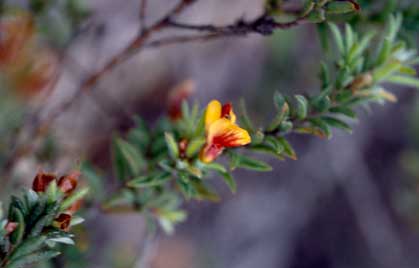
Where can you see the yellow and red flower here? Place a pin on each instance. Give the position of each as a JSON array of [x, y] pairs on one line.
[[221, 131]]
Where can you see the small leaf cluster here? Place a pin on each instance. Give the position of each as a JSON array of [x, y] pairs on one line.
[[36, 222], [315, 11], [160, 167]]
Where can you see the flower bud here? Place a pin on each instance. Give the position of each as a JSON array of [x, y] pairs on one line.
[[63, 222], [68, 183], [41, 181]]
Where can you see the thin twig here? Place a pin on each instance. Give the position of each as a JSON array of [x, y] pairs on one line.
[[181, 39]]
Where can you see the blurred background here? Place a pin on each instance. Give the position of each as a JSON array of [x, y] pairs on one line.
[[352, 201]]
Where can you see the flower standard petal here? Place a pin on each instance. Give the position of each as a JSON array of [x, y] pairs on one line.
[[213, 113]]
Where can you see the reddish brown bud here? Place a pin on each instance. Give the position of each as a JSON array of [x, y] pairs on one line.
[[10, 227], [180, 93], [68, 183], [63, 221], [41, 181]]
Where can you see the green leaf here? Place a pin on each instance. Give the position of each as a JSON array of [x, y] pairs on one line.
[[324, 75], [341, 7], [17, 235], [213, 166], [62, 240], [194, 146], [302, 107], [28, 246], [286, 127], [33, 258], [386, 70], [229, 180], [334, 122], [52, 192], [404, 80], [172, 145], [384, 52], [156, 179], [130, 156], [167, 219], [76, 196], [359, 47], [279, 101], [318, 123], [51, 211], [203, 192], [76, 220], [241, 161], [338, 37], [344, 111], [288, 150], [279, 118], [317, 16]]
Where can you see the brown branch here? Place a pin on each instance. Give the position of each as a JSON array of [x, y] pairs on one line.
[[182, 39], [264, 25]]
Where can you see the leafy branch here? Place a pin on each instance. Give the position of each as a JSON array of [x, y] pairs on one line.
[[160, 166], [39, 220]]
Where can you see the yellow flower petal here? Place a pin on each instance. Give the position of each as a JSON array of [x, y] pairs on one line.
[[224, 133], [213, 113]]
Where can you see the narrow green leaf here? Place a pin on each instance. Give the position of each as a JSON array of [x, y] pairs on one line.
[[51, 211], [318, 123], [359, 47], [76, 196], [288, 150], [404, 80], [344, 111], [341, 7], [62, 240], [241, 161], [28, 246], [302, 107], [172, 145], [338, 37], [17, 235], [131, 155], [33, 258], [156, 179], [229, 180], [194, 146], [52, 192], [334, 122]]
